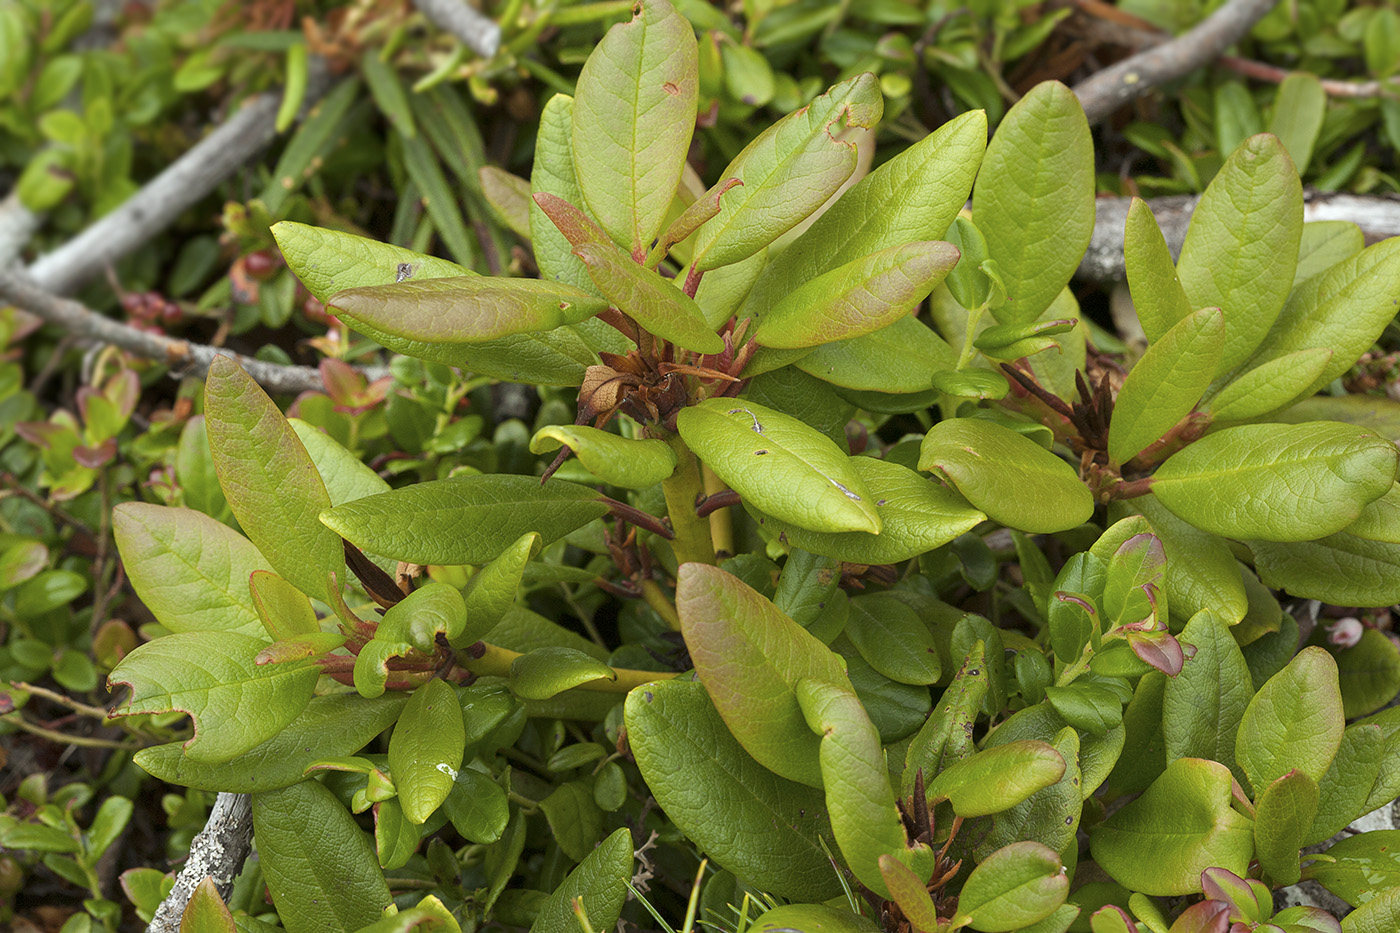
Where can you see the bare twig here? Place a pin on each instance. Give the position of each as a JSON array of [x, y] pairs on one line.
[[153, 208], [478, 33], [1378, 216], [1263, 71], [217, 852], [187, 359], [17, 224], [1104, 92]]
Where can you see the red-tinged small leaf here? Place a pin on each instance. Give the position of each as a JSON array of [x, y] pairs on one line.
[[1225, 886], [1111, 919], [1159, 649], [909, 893], [653, 302], [1205, 917], [704, 207], [578, 228], [206, 911], [467, 309]]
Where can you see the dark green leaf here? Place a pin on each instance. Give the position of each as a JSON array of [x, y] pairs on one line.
[[769, 830], [320, 868], [464, 520]]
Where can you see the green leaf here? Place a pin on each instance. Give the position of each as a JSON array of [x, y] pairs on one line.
[[1242, 245], [657, 305], [634, 113], [1299, 107], [320, 868], [893, 639], [477, 807], [750, 657], [997, 778], [1013, 480], [1133, 586], [206, 911], [1158, 298], [1341, 569], [1326, 243], [1161, 842], [509, 196], [617, 461], [859, 798], [207, 674], [1343, 790], [1369, 672], [574, 819], [1087, 706], [946, 735], [811, 918], [345, 476], [1380, 914], [1049, 816], [779, 465], [1284, 811], [788, 172], [426, 749], [328, 262], [1344, 310], [903, 357], [395, 838], [544, 672], [1166, 383], [858, 298], [914, 196], [1269, 386], [465, 309], [1015, 886], [330, 727], [190, 571], [463, 520], [599, 882], [490, 594], [269, 479], [285, 611], [431, 610], [1203, 705], [916, 515], [769, 831], [553, 174], [1365, 866], [1244, 482], [194, 472], [1294, 722], [1034, 199]]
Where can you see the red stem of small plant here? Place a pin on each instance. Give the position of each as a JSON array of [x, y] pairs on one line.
[[692, 281]]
